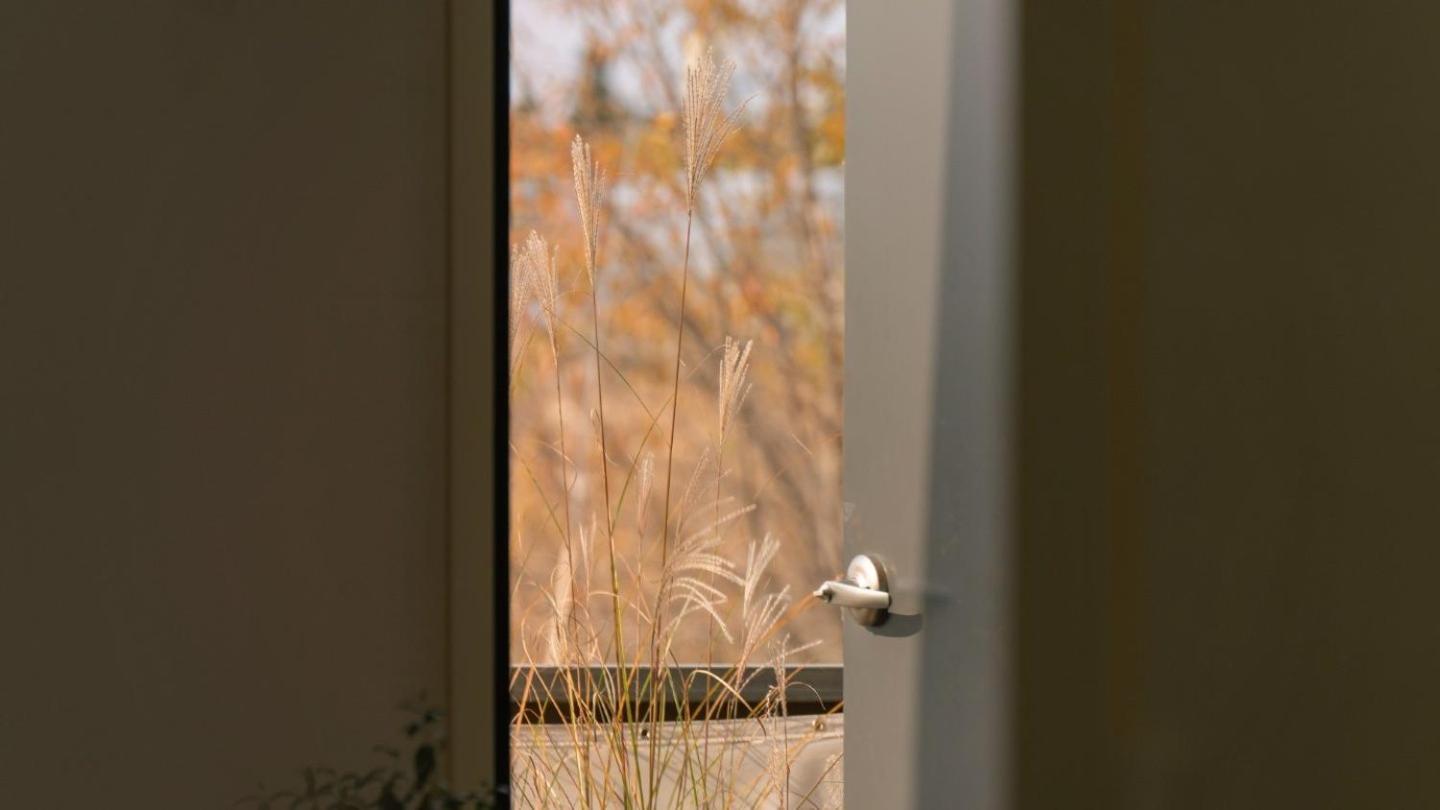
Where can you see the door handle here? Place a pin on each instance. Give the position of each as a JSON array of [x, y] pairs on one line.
[[840, 593], [864, 590]]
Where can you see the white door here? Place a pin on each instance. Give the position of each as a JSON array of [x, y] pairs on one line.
[[927, 348]]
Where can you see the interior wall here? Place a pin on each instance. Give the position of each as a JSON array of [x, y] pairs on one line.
[[1290, 432], [222, 392], [1229, 438]]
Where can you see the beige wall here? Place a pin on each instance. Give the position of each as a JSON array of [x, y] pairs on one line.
[[222, 391]]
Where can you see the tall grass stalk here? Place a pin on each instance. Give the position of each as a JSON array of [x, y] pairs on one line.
[[707, 126], [589, 199], [537, 263]]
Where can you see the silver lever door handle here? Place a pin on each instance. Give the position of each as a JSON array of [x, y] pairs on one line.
[[864, 590], [840, 593]]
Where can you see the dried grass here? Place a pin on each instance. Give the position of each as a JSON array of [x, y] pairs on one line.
[[610, 749]]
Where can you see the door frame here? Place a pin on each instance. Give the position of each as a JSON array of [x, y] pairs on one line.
[[478, 419]]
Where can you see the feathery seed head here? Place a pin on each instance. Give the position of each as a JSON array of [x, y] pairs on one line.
[[707, 124], [562, 605], [734, 383], [520, 325], [536, 262], [519, 294], [647, 482], [589, 196]]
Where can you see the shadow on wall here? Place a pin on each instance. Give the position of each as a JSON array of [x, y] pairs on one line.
[[407, 778]]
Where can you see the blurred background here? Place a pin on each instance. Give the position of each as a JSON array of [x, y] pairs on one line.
[[766, 266]]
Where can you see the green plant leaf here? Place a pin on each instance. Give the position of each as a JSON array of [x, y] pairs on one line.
[[424, 765]]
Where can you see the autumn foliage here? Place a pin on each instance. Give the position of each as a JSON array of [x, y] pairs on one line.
[[753, 458]]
